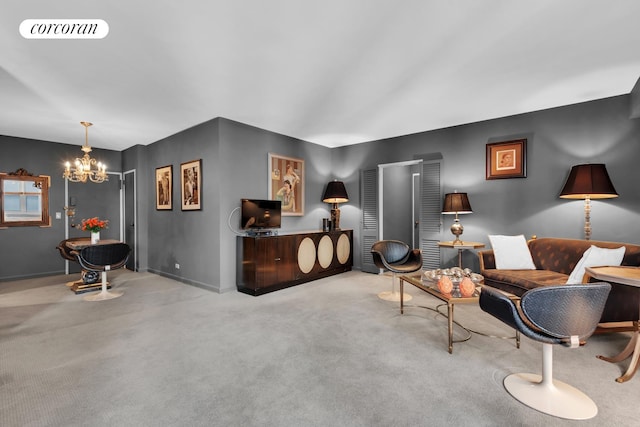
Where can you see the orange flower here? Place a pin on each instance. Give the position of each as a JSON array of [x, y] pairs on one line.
[[94, 224]]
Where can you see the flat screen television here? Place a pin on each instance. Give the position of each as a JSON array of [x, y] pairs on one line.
[[260, 214]]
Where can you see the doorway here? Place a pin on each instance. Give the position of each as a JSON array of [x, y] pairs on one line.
[[90, 200], [421, 220], [397, 201]]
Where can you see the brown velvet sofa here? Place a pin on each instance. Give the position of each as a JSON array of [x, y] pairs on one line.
[[555, 259]]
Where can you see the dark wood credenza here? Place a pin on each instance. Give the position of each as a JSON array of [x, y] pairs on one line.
[[269, 263]]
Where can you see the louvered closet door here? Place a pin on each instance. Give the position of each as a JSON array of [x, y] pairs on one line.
[[430, 211], [369, 224]]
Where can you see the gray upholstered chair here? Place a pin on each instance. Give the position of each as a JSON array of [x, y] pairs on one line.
[[103, 258], [397, 257], [562, 314]]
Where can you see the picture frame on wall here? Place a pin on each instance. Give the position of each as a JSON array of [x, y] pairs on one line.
[[286, 183], [164, 188], [507, 159], [191, 185]]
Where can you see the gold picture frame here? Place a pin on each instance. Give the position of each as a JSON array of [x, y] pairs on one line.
[[164, 188], [507, 159], [286, 183], [191, 185]]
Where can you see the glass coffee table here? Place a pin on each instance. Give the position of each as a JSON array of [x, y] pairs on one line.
[[419, 281]]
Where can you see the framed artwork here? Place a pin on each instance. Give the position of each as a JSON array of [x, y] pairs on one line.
[[191, 185], [507, 159], [164, 188], [286, 183]]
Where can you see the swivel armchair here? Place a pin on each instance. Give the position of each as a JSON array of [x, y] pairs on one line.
[[562, 314], [397, 257], [65, 251], [87, 277], [103, 258]]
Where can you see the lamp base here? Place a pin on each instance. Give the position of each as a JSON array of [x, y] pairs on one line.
[[456, 230], [335, 217]]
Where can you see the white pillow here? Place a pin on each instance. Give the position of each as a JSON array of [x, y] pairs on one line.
[[512, 253], [596, 257]]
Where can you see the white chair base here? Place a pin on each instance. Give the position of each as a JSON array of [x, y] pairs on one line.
[[103, 294], [558, 399], [393, 295], [543, 393]]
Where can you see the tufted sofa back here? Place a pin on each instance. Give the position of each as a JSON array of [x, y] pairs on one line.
[[562, 255]]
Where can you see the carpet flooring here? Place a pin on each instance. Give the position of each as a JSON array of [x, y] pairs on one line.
[[325, 353]]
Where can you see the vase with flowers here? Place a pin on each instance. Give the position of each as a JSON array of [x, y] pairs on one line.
[[94, 225]]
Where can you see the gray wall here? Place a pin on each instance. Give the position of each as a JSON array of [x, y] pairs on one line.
[[30, 251], [244, 173], [234, 166], [234, 159], [598, 132], [187, 238]]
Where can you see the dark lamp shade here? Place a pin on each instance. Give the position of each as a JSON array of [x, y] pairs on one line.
[[590, 180], [335, 193], [456, 203]]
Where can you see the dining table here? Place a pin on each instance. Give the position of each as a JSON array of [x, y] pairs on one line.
[[89, 281]]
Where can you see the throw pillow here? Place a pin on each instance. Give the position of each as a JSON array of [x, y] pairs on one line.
[[596, 257], [511, 252]]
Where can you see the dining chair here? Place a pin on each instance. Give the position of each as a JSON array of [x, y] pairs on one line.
[[102, 258]]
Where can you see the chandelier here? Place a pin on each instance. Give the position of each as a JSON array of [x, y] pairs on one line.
[[85, 168]]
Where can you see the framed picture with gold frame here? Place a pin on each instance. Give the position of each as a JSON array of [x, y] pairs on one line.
[[286, 183], [164, 188], [191, 185], [507, 159]]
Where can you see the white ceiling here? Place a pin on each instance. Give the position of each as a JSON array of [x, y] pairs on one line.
[[332, 72]]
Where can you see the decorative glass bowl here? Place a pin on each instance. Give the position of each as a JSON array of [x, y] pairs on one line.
[[455, 275]]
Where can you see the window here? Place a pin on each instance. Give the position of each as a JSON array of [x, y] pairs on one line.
[[24, 200]]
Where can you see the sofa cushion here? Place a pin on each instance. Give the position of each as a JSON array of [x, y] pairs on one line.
[[511, 252], [596, 257], [518, 282]]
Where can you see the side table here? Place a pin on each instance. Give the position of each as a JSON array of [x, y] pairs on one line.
[[629, 276], [461, 246]]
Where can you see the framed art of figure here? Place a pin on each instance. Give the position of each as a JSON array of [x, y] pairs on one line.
[[286, 183], [507, 159], [191, 185], [164, 188]]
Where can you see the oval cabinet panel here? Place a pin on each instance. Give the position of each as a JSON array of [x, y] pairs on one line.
[[325, 252], [343, 249], [306, 255]]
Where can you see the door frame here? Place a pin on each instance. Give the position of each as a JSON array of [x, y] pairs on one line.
[[66, 217], [135, 214]]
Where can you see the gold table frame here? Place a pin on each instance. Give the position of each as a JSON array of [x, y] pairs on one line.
[[417, 281]]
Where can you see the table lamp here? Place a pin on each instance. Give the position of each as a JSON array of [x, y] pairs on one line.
[[589, 181], [456, 203], [335, 193]]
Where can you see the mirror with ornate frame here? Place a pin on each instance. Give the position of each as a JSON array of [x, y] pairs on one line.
[[24, 199]]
